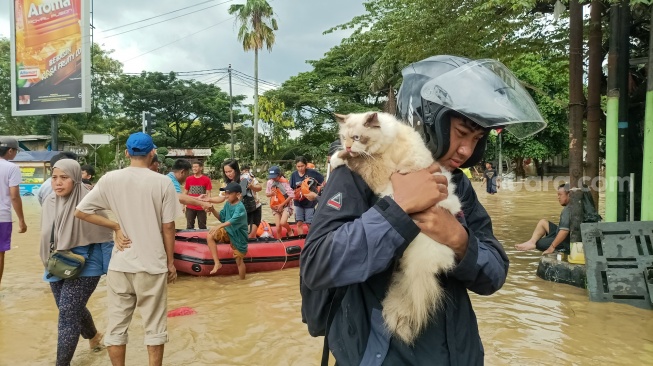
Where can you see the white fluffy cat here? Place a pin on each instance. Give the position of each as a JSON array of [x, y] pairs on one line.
[[375, 145]]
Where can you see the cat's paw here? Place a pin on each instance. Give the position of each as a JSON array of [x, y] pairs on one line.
[[398, 322], [336, 160]]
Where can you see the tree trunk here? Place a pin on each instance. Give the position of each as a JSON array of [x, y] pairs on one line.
[[519, 168], [391, 104], [538, 168], [575, 117], [595, 73], [255, 105]]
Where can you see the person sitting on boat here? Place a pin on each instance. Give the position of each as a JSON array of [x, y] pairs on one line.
[[547, 236], [231, 230], [281, 195]]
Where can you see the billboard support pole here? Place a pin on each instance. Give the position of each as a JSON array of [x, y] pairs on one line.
[[231, 113], [54, 127]]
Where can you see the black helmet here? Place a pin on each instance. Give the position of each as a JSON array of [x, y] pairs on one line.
[[484, 91]]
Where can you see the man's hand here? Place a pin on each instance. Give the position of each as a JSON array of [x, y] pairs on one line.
[[549, 250], [418, 191], [172, 273], [443, 227], [203, 197], [121, 242], [22, 226], [207, 206]]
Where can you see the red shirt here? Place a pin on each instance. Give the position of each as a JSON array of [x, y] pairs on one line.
[[197, 186]]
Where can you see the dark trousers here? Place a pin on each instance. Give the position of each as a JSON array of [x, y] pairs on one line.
[[190, 218], [71, 297]]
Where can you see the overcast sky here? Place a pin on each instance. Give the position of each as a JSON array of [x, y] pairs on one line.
[[299, 38]]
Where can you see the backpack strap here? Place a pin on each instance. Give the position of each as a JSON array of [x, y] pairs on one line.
[[243, 186], [333, 309], [280, 187], [52, 239]]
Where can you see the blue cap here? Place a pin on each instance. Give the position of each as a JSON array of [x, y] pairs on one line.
[[274, 172], [140, 144]]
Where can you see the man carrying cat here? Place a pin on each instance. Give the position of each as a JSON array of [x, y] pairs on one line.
[[358, 238]]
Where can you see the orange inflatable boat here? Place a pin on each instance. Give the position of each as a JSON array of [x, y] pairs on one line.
[[192, 254]]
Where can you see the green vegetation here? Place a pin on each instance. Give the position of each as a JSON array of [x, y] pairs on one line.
[[361, 73]]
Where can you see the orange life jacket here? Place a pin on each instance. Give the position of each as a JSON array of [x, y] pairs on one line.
[[261, 228], [308, 185], [279, 192]]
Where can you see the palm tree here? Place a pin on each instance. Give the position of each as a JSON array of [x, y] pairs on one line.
[[257, 27]]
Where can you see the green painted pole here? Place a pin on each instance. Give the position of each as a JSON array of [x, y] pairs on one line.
[[647, 168], [611, 157]]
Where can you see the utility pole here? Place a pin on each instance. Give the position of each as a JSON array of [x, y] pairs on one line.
[[623, 65], [500, 162], [231, 113], [576, 110], [143, 123], [612, 121], [594, 112], [54, 127]]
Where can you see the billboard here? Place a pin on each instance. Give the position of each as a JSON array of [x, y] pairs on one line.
[[50, 57]]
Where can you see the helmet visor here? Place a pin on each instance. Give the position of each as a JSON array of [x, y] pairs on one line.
[[486, 92]]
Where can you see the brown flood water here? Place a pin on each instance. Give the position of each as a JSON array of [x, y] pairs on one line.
[[257, 321]]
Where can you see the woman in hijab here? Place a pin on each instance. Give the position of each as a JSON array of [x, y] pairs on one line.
[[92, 242]]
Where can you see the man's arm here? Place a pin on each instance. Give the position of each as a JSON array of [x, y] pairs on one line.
[[560, 237], [185, 199], [45, 190], [484, 267], [168, 231], [121, 240], [350, 240], [17, 203]]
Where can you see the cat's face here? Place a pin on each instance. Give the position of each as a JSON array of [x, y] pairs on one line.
[[360, 134]]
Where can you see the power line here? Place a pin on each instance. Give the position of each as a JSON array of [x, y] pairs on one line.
[[168, 44], [259, 80], [157, 16], [165, 20]]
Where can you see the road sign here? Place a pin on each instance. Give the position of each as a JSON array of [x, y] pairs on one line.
[[79, 150], [97, 139]]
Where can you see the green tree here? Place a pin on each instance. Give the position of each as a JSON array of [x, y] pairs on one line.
[[187, 113], [547, 82], [257, 27], [276, 123]]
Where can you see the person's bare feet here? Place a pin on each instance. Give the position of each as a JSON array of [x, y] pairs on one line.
[[528, 245], [216, 267], [95, 343]]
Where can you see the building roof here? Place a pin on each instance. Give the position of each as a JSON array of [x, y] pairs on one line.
[[32, 137], [35, 156]]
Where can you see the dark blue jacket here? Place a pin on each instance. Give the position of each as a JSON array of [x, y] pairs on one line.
[[355, 242]]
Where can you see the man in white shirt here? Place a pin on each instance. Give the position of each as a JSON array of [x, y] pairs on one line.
[[9, 196], [144, 204]]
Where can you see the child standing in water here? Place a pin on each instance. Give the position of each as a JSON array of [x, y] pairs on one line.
[[232, 229], [281, 195]]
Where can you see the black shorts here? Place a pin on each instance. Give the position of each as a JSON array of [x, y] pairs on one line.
[[545, 242], [255, 216]]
